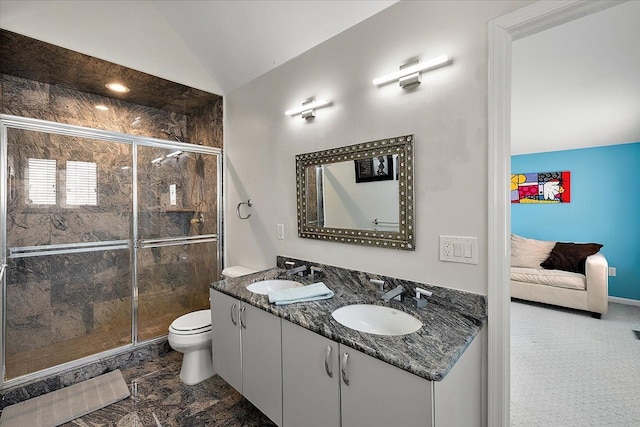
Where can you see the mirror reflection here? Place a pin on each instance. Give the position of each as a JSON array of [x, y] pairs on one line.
[[358, 194], [345, 196]]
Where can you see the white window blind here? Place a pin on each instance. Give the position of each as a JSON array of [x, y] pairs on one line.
[[82, 183], [42, 181]]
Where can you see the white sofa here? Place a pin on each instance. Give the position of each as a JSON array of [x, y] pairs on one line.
[[588, 291]]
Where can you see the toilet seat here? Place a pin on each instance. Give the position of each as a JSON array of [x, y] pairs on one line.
[[198, 322]]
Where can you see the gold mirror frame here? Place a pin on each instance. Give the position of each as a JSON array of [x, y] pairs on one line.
[[404, 238]]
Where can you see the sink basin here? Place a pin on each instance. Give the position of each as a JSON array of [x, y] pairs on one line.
[[376, 319], [265, 286]]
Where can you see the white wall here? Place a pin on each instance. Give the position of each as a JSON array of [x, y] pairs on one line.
[[447, 113]]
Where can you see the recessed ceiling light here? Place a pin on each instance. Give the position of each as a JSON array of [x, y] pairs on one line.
[[102, 107], [117, 87]]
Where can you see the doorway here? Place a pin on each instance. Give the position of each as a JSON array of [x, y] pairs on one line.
[[502, 31]]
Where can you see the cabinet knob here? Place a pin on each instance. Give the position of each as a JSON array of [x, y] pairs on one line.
[[345, 359], [327, 361]]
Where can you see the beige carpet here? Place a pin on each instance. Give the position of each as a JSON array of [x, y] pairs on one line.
[[571, 370], [58, 407]]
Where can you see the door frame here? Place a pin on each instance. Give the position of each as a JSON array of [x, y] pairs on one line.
[[502, 32]]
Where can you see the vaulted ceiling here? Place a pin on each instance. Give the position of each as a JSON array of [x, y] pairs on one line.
[[223, 44], [576, 85]]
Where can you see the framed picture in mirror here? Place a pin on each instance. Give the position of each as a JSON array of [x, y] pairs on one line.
[[379, 168]]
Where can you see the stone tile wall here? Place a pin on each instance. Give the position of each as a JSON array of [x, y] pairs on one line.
[[55, 298]]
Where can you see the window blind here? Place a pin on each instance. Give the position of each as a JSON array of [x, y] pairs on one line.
[[42, 181], [82, 183]]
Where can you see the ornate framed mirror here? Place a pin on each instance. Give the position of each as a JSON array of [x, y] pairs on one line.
[[361, 194]]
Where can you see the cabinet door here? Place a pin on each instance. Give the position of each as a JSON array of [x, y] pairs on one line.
[[262, 361], [375, 393], [310, 379], [226, 348]]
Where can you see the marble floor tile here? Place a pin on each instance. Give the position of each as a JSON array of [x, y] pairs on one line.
[[160, 399]]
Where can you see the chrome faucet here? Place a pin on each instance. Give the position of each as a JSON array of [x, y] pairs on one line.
[[394, 293], [297, 270]]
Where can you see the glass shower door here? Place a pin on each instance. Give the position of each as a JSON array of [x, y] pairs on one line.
[[68, 232], [177, 222]]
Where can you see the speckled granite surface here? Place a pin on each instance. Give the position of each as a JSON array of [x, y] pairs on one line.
[[159, 398], [451, 319]]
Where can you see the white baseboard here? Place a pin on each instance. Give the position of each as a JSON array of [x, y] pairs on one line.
[[626, 301]]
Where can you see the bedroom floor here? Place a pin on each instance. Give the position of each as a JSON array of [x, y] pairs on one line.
[[569, 369]]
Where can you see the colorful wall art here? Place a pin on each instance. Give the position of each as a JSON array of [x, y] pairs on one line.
[[541, 187]]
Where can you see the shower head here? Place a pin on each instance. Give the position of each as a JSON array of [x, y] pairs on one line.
[[168, 132]]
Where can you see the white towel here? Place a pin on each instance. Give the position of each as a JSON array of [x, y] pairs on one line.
[[317, 291]]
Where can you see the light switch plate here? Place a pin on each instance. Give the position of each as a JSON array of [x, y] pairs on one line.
[[280, 231], [459, 249]]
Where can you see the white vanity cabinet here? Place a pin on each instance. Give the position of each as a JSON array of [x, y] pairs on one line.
[[227, 347], [247, 352], [326, 384], [310, 378], [374, 393]]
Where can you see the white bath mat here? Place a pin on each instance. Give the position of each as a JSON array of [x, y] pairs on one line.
[[66, 404]]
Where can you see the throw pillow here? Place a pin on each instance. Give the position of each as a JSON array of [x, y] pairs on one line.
[[529, 253], [570, 256]]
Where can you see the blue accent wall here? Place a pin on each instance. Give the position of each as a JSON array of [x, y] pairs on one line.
[[604, 207]]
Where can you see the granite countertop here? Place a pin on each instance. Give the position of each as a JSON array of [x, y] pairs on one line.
[[451, 319]]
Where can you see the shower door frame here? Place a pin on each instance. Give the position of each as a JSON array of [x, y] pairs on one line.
[[134, 243]]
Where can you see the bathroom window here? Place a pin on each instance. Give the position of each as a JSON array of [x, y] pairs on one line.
[[82, 183], [41, 182]]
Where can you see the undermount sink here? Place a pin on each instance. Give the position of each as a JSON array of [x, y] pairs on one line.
[[376, 319], [265, 286]]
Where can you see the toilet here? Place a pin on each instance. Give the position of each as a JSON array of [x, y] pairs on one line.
[[190, 334]]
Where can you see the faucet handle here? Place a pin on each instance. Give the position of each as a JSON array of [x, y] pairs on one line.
[[379, 283], [421, 302], [289, 264], [313, 272]]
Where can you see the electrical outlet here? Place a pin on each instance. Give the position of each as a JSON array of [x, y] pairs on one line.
[[280, 231], [459, 249], [446, 247], [612, 271]]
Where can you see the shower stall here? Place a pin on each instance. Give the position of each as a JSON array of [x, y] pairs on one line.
[[106, 238]]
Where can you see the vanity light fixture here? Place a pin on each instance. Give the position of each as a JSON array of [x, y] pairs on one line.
[[409, 73], [157, 160], [117, 87], [102, 107], [307, 111]]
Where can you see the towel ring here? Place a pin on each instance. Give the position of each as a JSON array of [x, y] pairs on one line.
[[249, 204]]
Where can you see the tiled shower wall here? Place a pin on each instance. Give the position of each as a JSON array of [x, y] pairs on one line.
[[56, 298]]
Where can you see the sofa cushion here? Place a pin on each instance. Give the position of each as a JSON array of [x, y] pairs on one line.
[[529, 253], [557, 278], [570, 256]]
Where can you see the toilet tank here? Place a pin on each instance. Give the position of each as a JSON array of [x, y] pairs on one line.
[[236, 271]]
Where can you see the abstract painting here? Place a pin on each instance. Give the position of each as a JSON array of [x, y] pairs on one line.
[[541, 187]]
